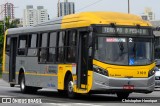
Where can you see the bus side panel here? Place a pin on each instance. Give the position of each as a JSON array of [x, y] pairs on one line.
[[38, 75], [41, 80]]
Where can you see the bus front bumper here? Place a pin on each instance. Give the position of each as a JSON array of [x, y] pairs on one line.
[[104, 83]]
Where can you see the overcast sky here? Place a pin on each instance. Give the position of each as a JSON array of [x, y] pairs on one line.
[[136, 6]]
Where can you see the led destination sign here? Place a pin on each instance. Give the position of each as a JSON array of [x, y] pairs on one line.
[[111, 30]]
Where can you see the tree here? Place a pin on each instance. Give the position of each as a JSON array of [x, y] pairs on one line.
[[8, 24]]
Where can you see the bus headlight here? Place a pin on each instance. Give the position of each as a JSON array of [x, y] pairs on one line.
[[100, 70], [151, 72]]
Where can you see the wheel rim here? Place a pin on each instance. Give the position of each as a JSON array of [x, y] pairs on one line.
[[70, 86], [22, 84]]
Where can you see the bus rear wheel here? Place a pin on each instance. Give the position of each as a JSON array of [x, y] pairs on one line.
[[122, 95], [24, 88]]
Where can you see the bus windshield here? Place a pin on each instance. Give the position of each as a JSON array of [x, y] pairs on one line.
[[124, 51]]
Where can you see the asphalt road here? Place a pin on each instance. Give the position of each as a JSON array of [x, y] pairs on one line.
[[52, 98]]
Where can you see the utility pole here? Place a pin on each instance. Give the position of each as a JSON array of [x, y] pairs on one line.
[[58, 8], [128, 7]]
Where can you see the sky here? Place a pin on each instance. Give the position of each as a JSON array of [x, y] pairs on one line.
[[136, 6]]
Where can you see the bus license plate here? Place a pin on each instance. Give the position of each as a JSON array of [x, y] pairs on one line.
[[129, 87]]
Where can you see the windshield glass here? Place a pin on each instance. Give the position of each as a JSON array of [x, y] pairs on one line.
[[140, 51], [124, 51]]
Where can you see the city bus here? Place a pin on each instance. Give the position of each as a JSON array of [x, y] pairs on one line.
[[83, 53]]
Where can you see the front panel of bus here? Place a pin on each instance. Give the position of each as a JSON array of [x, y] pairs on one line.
[[123, 59]]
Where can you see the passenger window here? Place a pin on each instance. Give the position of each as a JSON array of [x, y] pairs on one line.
[[32, 41], [71, 46], [60, 49], [22, 45], [32, 45], [43, 48], [44, 37], [7, 44], [52, 47]]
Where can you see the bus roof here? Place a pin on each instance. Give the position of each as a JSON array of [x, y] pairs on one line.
[[88, 18], [83, 19]]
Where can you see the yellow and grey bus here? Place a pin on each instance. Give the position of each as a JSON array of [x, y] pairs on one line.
[[88, 52]]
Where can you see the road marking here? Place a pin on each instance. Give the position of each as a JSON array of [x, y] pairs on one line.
[[85, 104], [4, 86], [6, 96], [72, 104], [57, 104]]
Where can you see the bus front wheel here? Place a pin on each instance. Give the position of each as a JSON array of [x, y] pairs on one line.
[[71, 93]]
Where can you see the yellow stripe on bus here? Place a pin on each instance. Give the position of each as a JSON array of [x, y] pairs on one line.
[[36, 74], [4, 52]]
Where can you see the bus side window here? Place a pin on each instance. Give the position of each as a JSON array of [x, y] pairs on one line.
[[71, 46], [52, 47], [32, 45], [8, 45], [60, 48], [43, 47], [22, 45]]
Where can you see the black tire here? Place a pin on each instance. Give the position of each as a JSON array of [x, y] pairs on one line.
[[12, 85], [122, 95], [24, 88], [70, 92]]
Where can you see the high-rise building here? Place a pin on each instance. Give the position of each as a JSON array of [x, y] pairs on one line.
[[148, 14], [29, 16], [33, 16], [7, 10], [42, 14], [65, 8]]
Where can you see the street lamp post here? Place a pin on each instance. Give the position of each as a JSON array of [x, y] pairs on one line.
[[128, 7]]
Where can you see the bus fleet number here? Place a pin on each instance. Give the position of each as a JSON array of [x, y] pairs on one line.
[[141, 72]]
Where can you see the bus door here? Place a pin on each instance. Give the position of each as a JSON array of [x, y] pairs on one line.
[[12, 60], [82, 60]]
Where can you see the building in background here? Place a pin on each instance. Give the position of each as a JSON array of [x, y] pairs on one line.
[[65, 8], [7, 10], [42, 14], [29, 16], [148, 14], [33, 16]]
